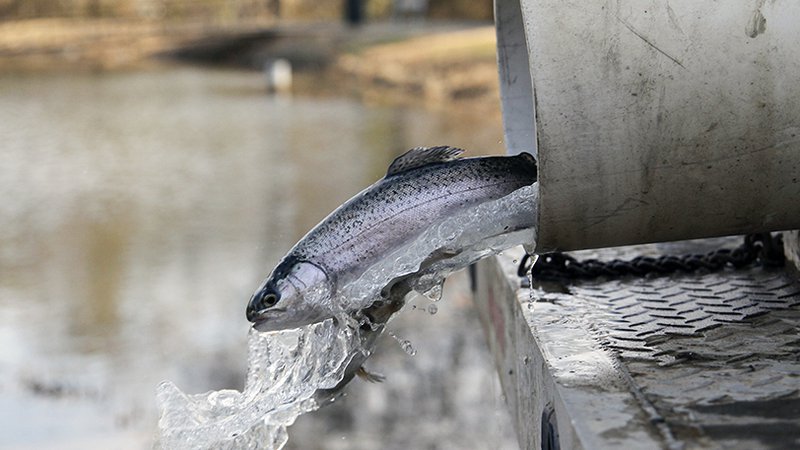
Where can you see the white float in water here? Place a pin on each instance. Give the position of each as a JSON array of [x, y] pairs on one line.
[[278, 73]]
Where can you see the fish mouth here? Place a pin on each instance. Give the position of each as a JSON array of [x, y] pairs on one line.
[[277, 319], [263, 325], [265, 320]]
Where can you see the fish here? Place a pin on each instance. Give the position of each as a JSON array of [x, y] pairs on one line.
[[421, 188]]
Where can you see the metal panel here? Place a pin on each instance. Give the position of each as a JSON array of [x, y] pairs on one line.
[[685, 361], [657, 120], [556, 377], [791, 247]]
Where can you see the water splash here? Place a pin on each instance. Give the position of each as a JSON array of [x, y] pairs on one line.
[[435, 292], [286, 369], [405, 344], [453, 244], [289, 370], [408, 347]]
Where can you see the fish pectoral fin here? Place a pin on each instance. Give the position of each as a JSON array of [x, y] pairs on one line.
[[422, 156], [371, 377]]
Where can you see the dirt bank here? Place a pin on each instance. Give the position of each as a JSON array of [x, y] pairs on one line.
[[37, 45], [439, 69], [439, 65]]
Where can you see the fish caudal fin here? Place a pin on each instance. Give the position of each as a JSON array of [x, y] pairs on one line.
[[372, 377], [529, 159]]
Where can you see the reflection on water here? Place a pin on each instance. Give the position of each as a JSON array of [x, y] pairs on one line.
[[140, 211]]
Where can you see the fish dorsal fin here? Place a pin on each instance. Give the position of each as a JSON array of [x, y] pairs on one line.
[[422, 156]]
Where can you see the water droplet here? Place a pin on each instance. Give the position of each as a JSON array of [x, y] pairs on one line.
[[433, 309], [407, 347], [434, 293], [405, 344]]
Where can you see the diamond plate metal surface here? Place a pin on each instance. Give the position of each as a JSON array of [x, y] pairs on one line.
[[717, 355]]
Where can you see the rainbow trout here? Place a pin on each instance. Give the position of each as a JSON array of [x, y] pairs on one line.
[[422, 188]]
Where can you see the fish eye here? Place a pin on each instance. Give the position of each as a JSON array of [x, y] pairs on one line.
[[270, 300]]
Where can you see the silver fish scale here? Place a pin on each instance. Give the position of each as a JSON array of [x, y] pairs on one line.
[[401, 206]]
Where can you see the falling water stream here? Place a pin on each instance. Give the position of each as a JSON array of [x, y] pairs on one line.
[[287, 368]]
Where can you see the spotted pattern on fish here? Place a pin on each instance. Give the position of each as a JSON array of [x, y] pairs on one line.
[[401, 206]]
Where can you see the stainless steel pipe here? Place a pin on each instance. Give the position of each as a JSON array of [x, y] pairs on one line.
[[654, 120]]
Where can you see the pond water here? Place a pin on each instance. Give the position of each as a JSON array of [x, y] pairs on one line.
[[140, 210]]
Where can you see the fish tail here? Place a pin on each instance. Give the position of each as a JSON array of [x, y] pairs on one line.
[[529, 160]]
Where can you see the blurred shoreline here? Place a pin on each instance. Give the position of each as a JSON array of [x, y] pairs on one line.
[[437, 64]]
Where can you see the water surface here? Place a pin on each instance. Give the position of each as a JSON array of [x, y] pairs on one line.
[[140, 210]]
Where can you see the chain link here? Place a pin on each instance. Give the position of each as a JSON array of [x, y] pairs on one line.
[[761, 247]]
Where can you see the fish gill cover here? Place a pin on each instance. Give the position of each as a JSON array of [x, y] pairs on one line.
[[287, 368]]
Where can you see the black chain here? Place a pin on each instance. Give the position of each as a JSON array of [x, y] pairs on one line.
[[761, 247]]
